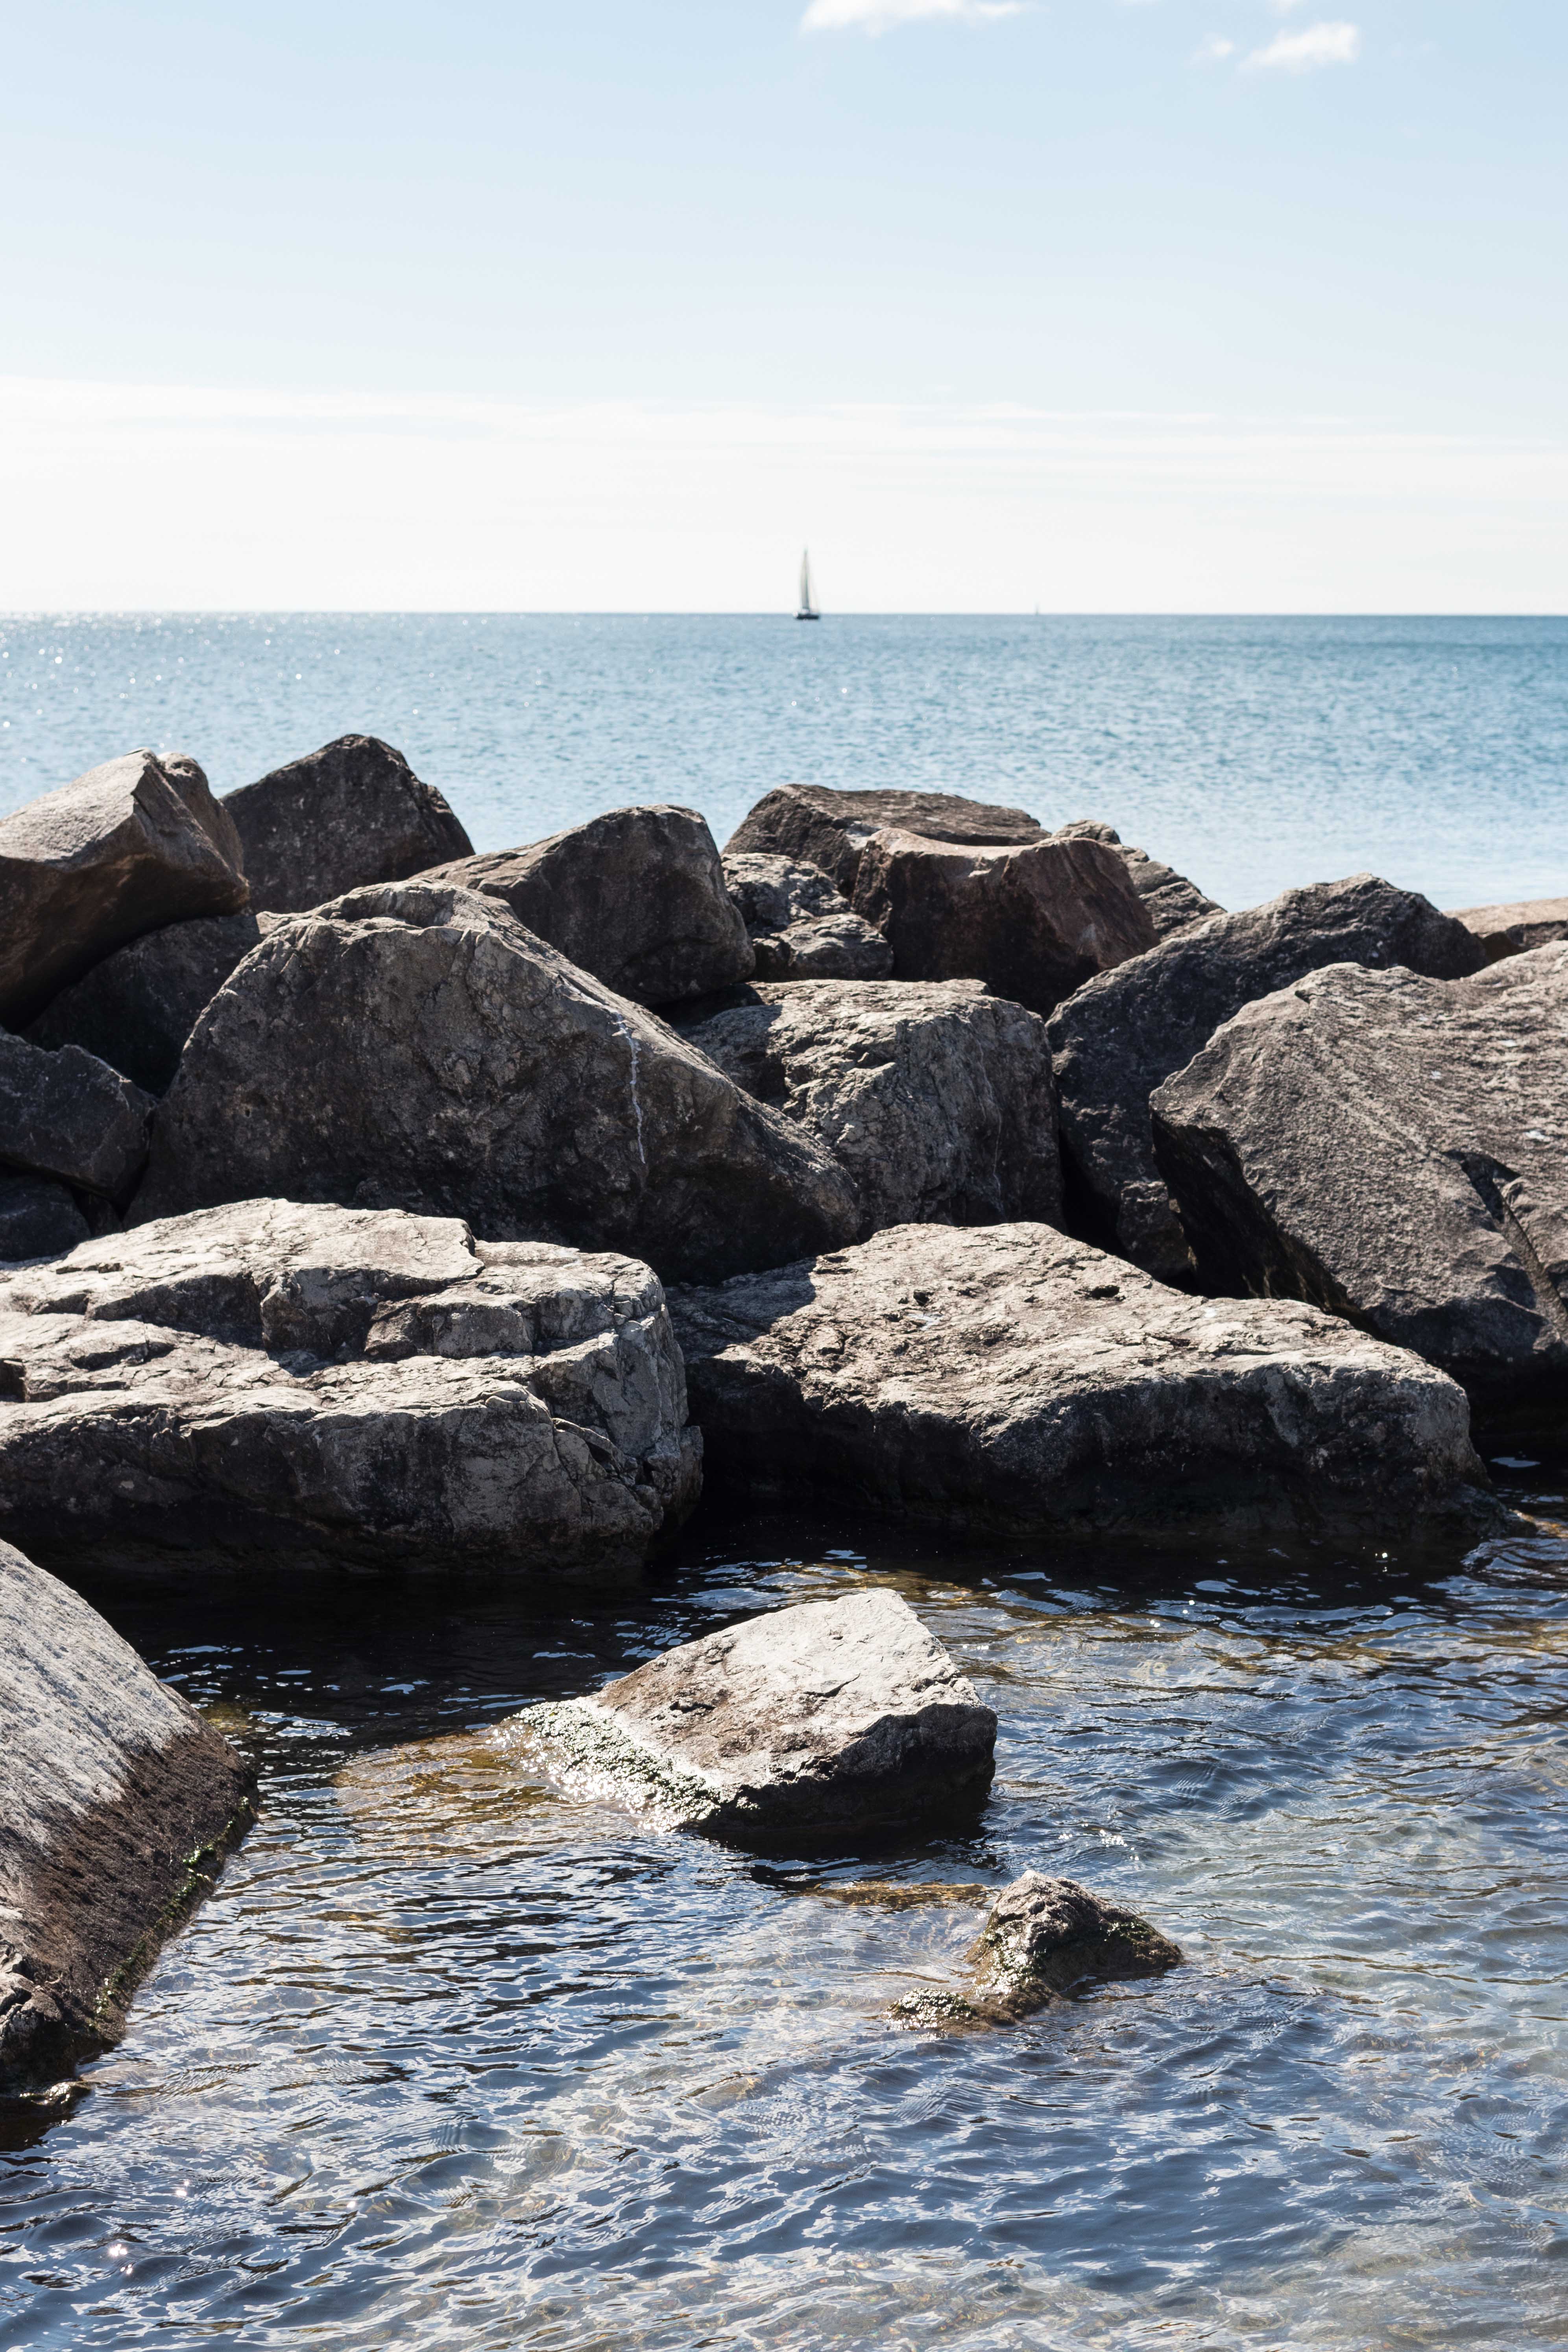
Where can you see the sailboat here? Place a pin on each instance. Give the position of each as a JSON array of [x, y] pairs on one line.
[[808, 611]]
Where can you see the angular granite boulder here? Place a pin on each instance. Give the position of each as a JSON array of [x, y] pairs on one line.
[[832, 1715], [1123, 1034], [800, 924], [1395, 1149], [415, 1046], [1515, 930], [37, 1218], [822, 827], [117, 1804], [1043, 1939], [309, 1383], [352, 814], [136, 842], [1033, 922], [636, 897], [69, 1115], [136, 1009], [1172, 900], [935, 1098], [1014, 1384]]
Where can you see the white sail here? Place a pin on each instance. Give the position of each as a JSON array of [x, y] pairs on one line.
[[808, 609]]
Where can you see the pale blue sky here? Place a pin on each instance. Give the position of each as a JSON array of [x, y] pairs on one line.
[[1271, 300]]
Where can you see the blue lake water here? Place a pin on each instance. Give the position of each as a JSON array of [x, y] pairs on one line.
[[1252, 753]]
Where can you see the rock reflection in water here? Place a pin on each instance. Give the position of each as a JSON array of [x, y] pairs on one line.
[[448, 2060]]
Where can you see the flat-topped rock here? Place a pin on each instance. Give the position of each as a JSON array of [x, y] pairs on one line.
[[1393, 1146], [136, 1009], [935, 1098], [800, 924], [1011, 1383], [133, 843], [829, 829], [352, 814], [68, 1116], [832, 1715], [1173, 902], [415, 1046], [1123, 1034], [1514, 929], [117, 1804], [1033, 922], [307, 1383], [636, 897], [1045, 1939]]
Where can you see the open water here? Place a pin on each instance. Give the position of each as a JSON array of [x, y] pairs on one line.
[[1252, 753]]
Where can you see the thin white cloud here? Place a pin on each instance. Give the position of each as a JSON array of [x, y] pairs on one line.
[[1303, 52], [881, 16], [1214, 51]]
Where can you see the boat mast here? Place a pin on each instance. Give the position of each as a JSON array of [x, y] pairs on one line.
[[807, 611]]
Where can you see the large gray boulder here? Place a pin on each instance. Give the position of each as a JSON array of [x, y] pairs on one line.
[[1015, 1384], [636, 897], [1173, 902], [833, 1716], [117, 1804], [1514, 929], [37, 1218], [277, 1380], [136, 1009], [1033, 922], [353, 812], [826, 828], [136, 842], [415, 1046], [935, 1098], [68, 1116], [800, 924], [1043, 1939], [1393, 1146], [1123, 1034]]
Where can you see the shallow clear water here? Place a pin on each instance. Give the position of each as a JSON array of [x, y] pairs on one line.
[[1252, 754], [451, 2062]]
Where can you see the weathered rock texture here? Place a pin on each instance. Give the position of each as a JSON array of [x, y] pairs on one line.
[[1125, 1034], [415, 1046], [800, 923], [318, 1383], [353, 812], [136, 842], [833, 1716], [1172, 900], [69, 1115], [935, 1098], [1033, 923], [136, 1009], [1392, 1147], [1515, 930], [637, 898], [830, 829], [117, 1803], [37, 1218], [1010, 1382], [1043, 1939]]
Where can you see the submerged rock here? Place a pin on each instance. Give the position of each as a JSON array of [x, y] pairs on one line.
[[636, 897], [1515, 930], [1033, 922], [1007, 1381], [350, 815], [136, 1009], [833, 1716], [800, 924], [68, 1116], [117, 1803], [1173, 902], [935, 1098], [1392, 1147], [415, 1046], [316, 1383], [1123, 1034], [1044, 1937], [829, 829], [136, 842]]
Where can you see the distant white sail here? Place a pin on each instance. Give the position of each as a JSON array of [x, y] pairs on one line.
[[807, 611]]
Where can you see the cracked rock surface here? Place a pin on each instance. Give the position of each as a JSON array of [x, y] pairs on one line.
[[353, 812], [272, 1378], [1393, 1147], [935, 1097], [800, 924], [829, 829], [416, 1047], [1123, 1034], [117, 1803], [1008, 1382], [1044, 1937], [833, 1715]]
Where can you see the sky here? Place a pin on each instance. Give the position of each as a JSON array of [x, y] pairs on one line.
[[1093, 305]]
